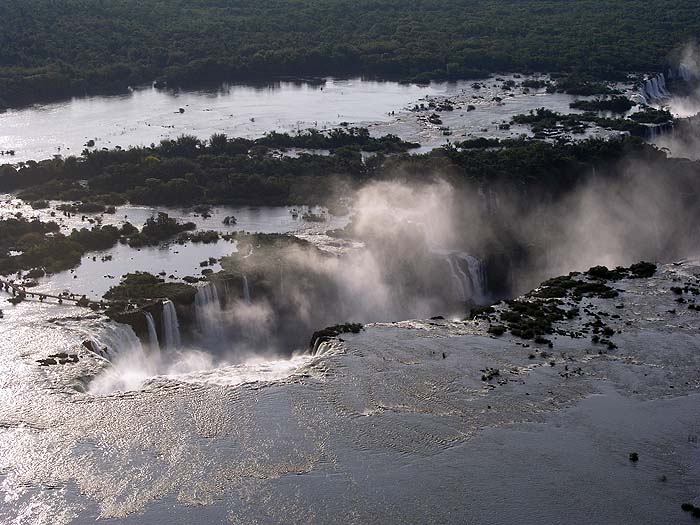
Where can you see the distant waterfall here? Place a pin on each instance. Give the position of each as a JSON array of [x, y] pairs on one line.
[[470, 285], [152, 334], [246, 289], [685, 72], [171, 327], [477, 276], [458, 276], [653, 88], [208, 312], [489, 200], [653, 132]]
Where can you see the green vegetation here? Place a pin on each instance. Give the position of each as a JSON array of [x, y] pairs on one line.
[[187, 171], [158, 229], [330, 332], [140, 286], [652, 116], [529, 319], [39, 205], [543, 121], [636, 271], [58, 48], [333, 139], [497, 329], [483, 143], [98, 205], [40, 247], [533, 83], [204, 237], [615, 104], [578, 84], [565, 286], [535, 315]]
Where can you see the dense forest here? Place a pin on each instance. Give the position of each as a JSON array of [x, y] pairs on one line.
[[223, 170], [56, 48]]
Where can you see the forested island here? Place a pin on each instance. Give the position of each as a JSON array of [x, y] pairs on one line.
[[224, 170], [54, 49]]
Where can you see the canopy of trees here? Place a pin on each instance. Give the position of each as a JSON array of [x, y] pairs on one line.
[[57, 48], [188, 171]]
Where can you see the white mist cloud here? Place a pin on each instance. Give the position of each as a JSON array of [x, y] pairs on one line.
[[414, 235]]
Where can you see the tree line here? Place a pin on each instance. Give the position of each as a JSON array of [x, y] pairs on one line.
[[57, 48]]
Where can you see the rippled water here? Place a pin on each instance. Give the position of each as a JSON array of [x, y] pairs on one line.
[[341, 433]]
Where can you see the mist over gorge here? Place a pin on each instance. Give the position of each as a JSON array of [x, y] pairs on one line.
[[415, 250]]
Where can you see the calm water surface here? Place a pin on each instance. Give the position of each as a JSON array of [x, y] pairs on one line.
[[146, 116]]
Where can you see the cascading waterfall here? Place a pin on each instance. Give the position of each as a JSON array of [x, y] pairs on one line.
[[246, 289], [118, 339], [490, 203], [685, 72], [171, 327], [152, 334], [459, 283], [472, 286], [208, 312], [131, 364], [653, 132], [654, 88], [477, 276]]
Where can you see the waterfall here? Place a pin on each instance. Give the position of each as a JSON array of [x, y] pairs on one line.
[[461, 284], [654, 88], [640, 98], [131, 364], [652, 131], [685, 72], [208, 312], [651, 89], [171, 328], [489, 200], [472, 286], [152, 334], [477, 276], [118, 339], [246, 289]]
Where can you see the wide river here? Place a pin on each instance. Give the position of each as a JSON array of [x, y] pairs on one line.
[[148, 115]]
